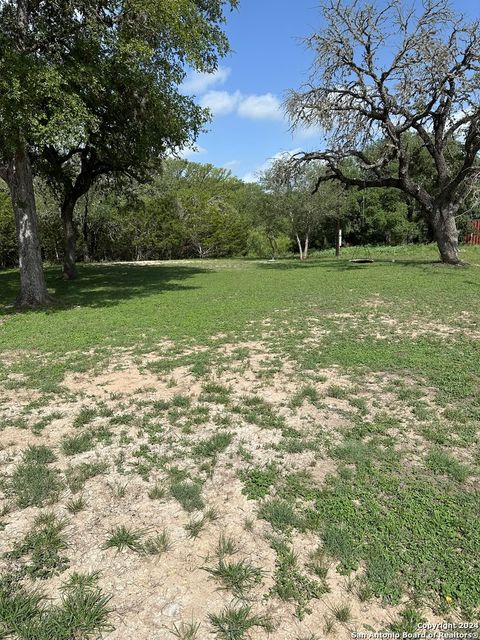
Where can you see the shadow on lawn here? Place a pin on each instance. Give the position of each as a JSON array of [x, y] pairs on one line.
[[102, 285], [344, 264]]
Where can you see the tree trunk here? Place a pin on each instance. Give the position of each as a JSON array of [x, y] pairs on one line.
[[305, 247], [299, 243], [69, 238], [446, 233], [85, 231], [33, 288]]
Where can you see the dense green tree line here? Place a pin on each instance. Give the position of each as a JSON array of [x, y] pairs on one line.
[[193, 210]]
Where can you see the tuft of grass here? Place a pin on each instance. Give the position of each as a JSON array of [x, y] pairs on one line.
[[119, 489], [238, 577], [307, 392], [73, 445], [35, 484], [186, 630], [77, 476], [85, 416], [336, 391], [75, 505], [234, 622], [342, 614], [280, 514], [257, 481], [81, 613], [39, 454], [215, 393], [226, 546], [157, 544], [441, 462], [318, 564], [157, 492], [290, 584], [81, 581], [211, 447], [188, 494], [122, 537], [195, 526], [42, 546]]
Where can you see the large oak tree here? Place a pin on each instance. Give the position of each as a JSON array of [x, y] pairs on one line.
[[382, 72], [78, 81]]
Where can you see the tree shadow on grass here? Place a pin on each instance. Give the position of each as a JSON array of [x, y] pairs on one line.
[[102, 285], [345, 264]]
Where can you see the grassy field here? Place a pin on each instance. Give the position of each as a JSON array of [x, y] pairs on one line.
[[242, 449]]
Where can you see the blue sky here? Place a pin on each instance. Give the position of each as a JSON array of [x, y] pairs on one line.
[[246, 94]]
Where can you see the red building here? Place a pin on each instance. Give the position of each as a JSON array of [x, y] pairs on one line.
[[474, 236]]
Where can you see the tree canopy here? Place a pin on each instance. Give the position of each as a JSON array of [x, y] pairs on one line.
[[383, 72]]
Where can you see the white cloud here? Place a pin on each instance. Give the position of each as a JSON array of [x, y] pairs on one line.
[[253, 176], [198, 83], [308, 133], [221, 103], [254, 107], [232, 164], [196, 150], [264, 107]]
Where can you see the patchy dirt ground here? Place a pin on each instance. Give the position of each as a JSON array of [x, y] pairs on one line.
[[137, 426]]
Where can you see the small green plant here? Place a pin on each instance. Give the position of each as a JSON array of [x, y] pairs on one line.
[[211, 447], [81, 581], [440, 461], [85, 415], [122, 537], [42, 546], [238, 577], [342, 613], [75, 505], [234, 622], [188, 494], [77, 476], [226, 546], [257, 481], [317, 563], [211, 514], [306, 393], [280, 514], [119, 489], [195, 526], [39, 454], [336, 391], [408, 621], [157, 492], [329, 625], [248, 524], [186, 630], [73, 445], [157, 544], [215, 393], [290, 584], [35, 484]]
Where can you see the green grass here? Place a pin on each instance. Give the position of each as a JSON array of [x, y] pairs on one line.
[[401, 503], [291, 584], [237, 576], [35, 484], [234, 622], [72, 445], [38, 554], [123, 537], [440, 461], [188, 494], [82, 612]]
